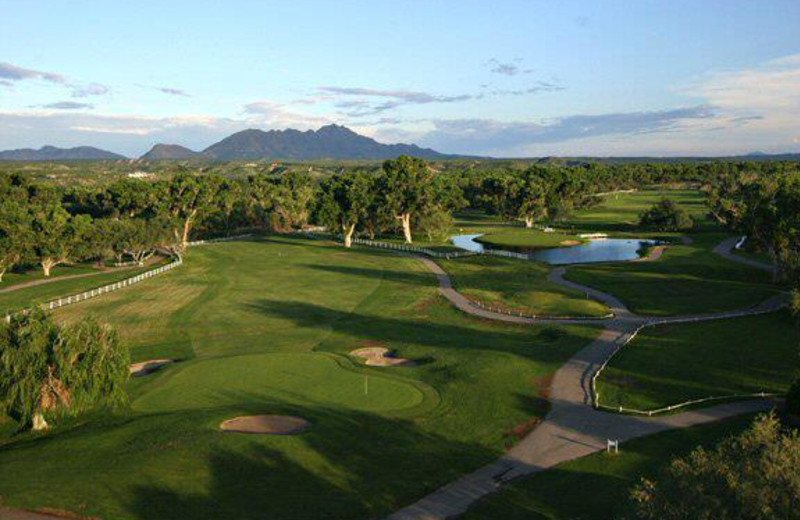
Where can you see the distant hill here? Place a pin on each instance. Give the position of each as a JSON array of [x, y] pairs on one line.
[[329, 142], [170, 151], [52, 153]]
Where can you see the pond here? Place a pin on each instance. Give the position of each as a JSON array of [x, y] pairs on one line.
[[600, 250]]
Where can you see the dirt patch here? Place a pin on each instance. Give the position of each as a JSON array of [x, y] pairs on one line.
[[146, 367], [266, 424], [652, 255], [371, 343], [570, 242], [43, 513], [380, 357], [426, 303]]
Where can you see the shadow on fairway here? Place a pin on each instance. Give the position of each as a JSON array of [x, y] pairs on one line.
[[515, 339], [350, 465]]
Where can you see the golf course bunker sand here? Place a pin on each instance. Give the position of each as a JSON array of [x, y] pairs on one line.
[[266, 424], [380, 357], [570, 242], [146, 367]]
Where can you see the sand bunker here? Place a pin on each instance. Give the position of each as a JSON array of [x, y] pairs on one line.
[[380, 357], [570, 242], [151, 365], [266, 424]]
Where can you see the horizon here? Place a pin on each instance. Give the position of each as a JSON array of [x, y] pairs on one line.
[[519, 80]]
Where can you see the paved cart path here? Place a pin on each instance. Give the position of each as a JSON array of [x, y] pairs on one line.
[[573, 428]]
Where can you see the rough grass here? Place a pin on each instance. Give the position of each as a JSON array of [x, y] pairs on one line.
[[596, 487], [244, 316], [518, 285], [675, 363]]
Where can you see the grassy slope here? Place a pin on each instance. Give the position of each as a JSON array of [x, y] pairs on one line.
[[227, 312], [670, 364], [519, 285], [26, 297], [596, 487]]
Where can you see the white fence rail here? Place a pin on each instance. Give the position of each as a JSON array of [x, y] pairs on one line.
[[628, 337], [93, 293]]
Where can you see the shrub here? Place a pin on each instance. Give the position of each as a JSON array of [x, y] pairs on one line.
[[752, 476], [793, 398], [666, 216], [47, 371]]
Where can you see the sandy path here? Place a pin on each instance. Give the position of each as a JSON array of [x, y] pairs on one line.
[[572, 428]]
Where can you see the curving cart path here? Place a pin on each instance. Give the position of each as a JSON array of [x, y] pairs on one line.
[[573, 428]]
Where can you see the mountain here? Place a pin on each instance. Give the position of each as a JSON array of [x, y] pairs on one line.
[[329, 142], [51, 153], [169, 151]]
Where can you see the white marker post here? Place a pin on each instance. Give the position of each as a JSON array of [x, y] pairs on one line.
[[612, 445]]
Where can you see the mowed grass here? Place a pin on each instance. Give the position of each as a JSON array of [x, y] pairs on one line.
[[687, 279], [529, 239], [674, 363], [266, 327], [518, 285], [300, 379], [620, 212], [596, 487]]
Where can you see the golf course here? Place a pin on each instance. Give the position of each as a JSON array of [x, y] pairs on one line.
[[269, 324]]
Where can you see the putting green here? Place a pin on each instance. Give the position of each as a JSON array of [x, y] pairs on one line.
[[301, 379]]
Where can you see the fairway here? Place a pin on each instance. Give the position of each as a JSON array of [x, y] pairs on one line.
[[266, 327], [519, 285], [298, 379]]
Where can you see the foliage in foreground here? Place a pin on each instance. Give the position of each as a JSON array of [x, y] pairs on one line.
[[752, 476], [47, 371]]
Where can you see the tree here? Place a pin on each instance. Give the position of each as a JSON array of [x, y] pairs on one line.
[[292, 195], [189, 199], [793, 398], [13, 235], [47, 371], [54, 233], [666, 216], [752, 476], [346, 200], [410, 188]]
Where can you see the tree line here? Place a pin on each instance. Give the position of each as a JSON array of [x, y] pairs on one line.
[[48, 226]]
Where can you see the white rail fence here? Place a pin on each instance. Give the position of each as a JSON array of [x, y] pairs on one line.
[[628, 337], [133, 280]]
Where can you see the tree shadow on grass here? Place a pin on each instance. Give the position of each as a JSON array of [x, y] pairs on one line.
[[352, 465], [514, 339]]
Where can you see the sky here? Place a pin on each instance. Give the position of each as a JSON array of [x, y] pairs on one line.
[[501, 78]]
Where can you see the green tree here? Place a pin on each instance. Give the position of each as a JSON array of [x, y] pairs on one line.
[[346, 201], [752, 476], [666, 216], [47, 371], [55, 235], [410, 188], [188, 199]]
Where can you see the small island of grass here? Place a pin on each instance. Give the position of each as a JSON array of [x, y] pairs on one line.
[[527, 239]]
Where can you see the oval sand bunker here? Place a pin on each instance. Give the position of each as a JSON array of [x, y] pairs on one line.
[[380, 357], [146, 367], [266, 424]]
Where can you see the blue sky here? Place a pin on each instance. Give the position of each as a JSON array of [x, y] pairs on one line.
[[504, 78]]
